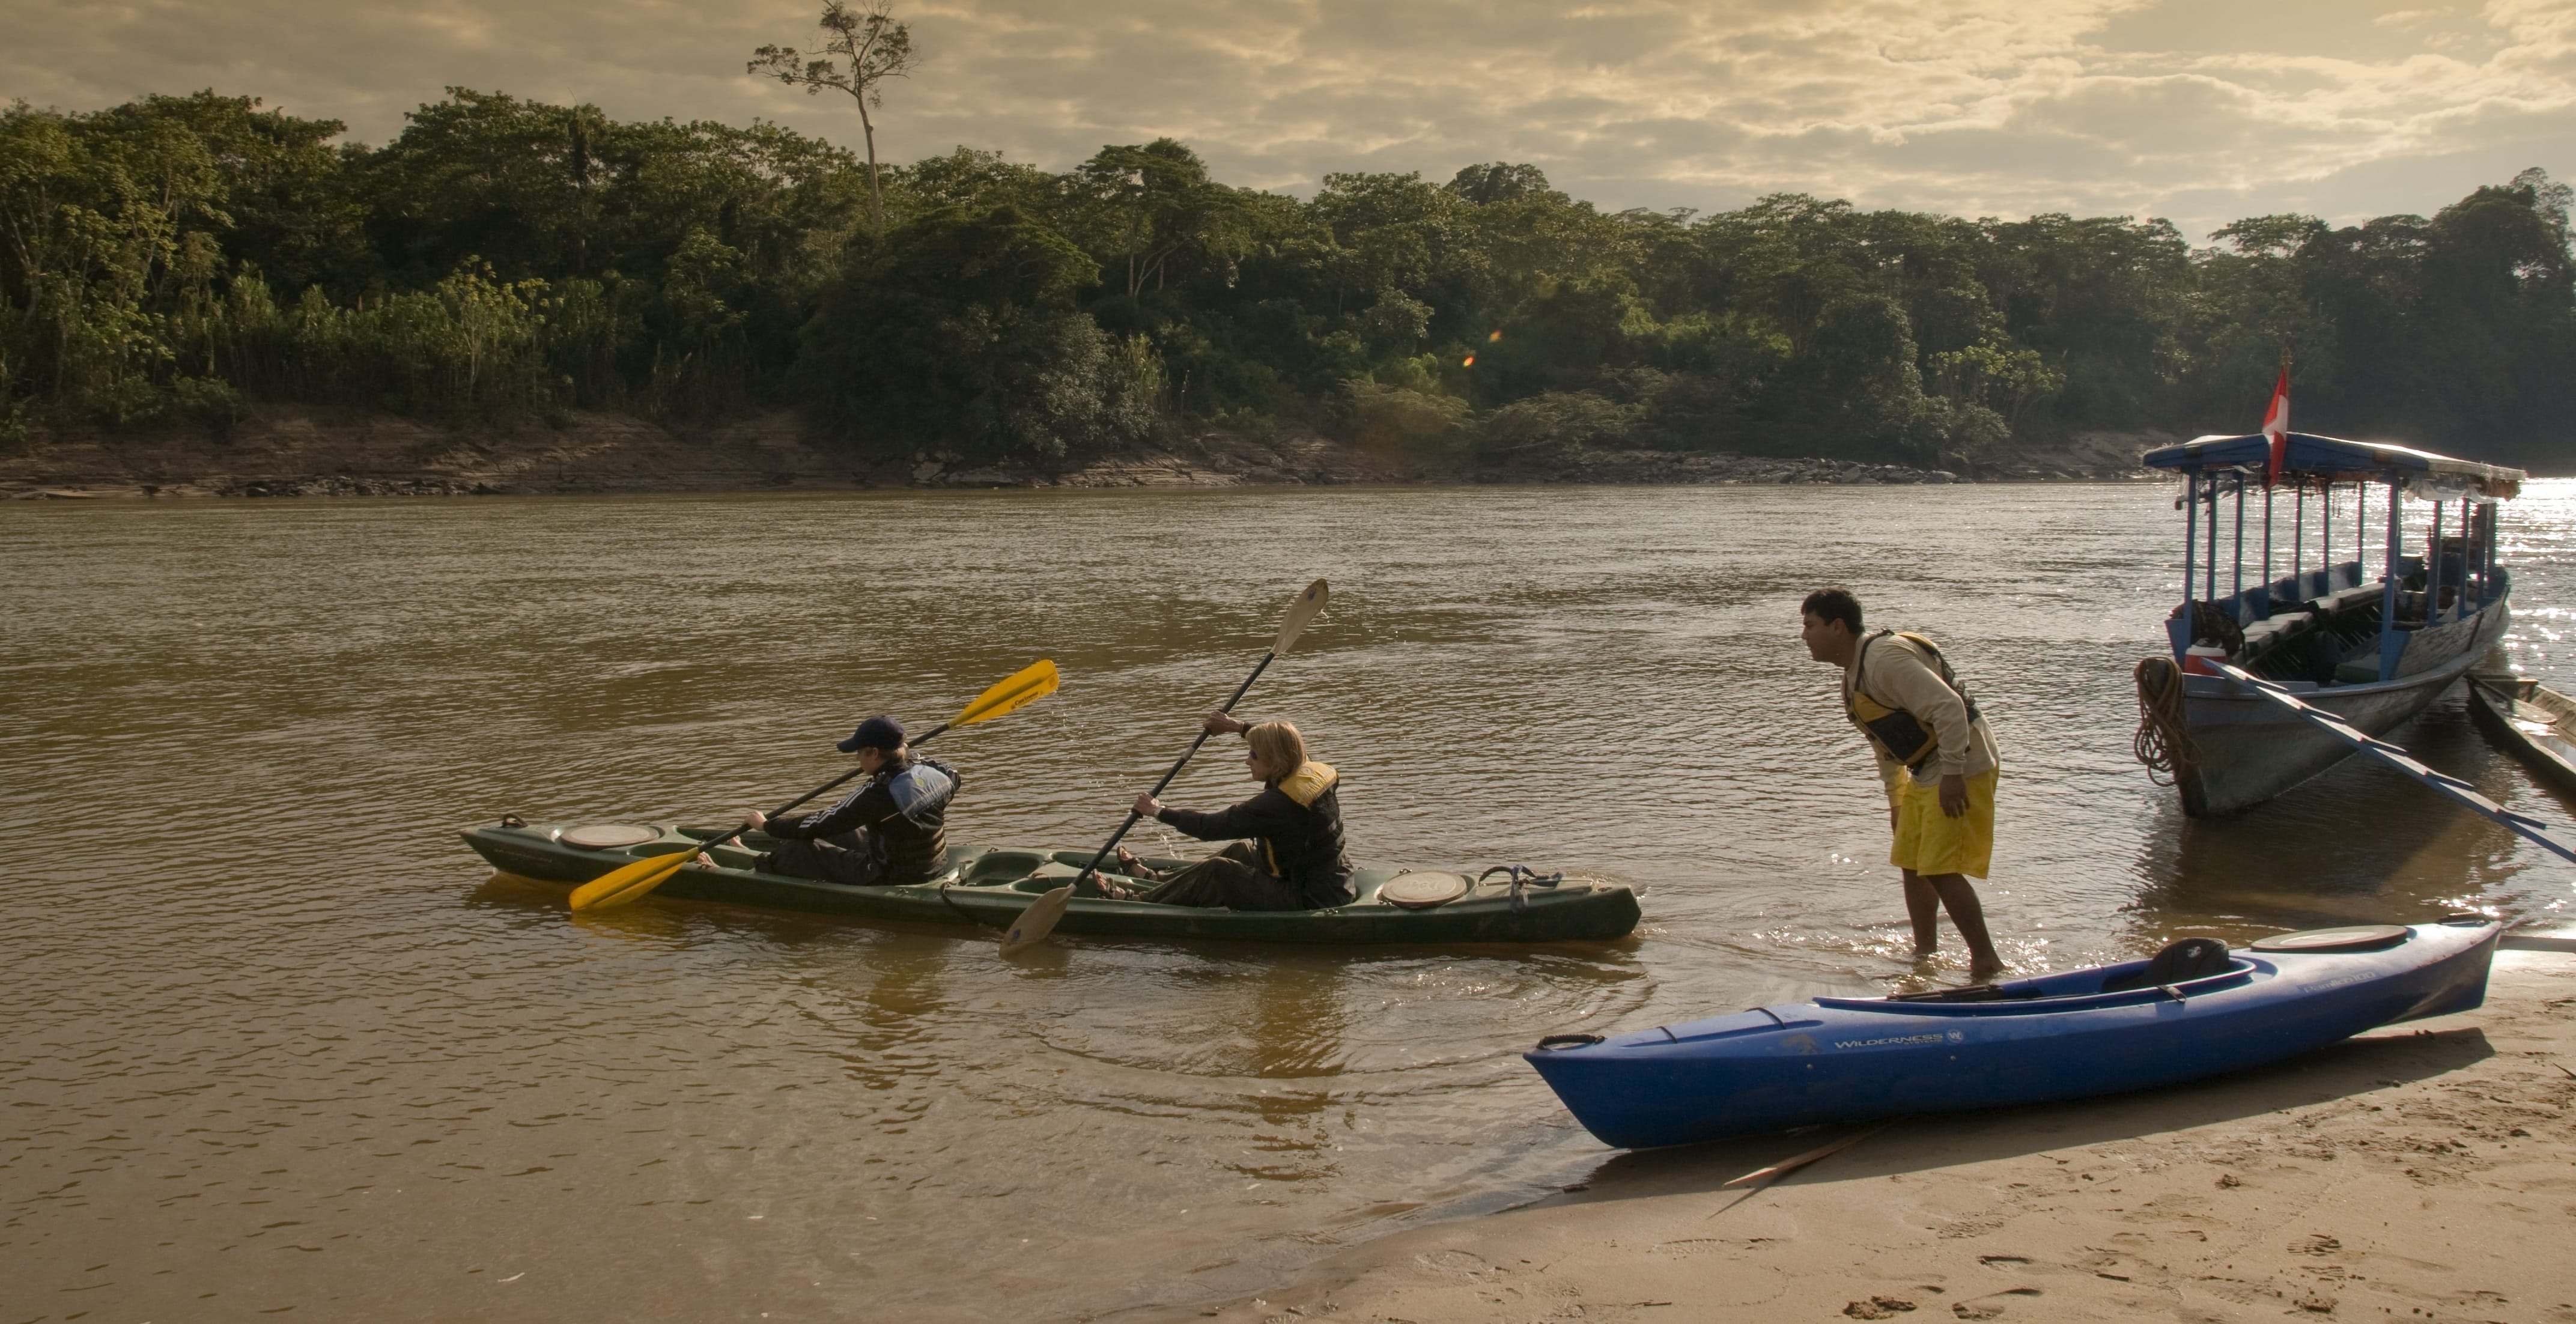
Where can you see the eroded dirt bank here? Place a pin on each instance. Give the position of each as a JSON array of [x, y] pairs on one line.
[[323, 452]]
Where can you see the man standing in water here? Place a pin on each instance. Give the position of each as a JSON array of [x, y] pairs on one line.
[[1936, 758]]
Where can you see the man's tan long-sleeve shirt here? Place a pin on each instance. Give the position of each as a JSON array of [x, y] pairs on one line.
[[1899, 675]]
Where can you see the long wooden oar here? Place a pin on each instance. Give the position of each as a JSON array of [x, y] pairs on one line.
[[1039, 917], [2396, 757], [625, 884]]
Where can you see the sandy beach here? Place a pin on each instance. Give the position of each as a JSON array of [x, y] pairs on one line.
[[2420, 1172]]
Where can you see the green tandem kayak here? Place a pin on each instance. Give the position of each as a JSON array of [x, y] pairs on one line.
[[990, 885]]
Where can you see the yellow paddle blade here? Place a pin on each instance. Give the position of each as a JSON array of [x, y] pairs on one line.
[[1309, 605], [1036, 921], [1011, 693], [630, 882]]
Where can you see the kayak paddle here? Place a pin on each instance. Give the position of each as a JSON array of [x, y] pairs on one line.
[[627, 883], [1039, 917]]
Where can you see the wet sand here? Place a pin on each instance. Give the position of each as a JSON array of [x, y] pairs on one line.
[[2420, 1172]]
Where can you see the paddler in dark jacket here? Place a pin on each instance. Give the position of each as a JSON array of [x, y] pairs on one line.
[[1293, 860], [891, 831]]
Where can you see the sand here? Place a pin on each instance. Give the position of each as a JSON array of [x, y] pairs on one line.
[[2421, 1172]]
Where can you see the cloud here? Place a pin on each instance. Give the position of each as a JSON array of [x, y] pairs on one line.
[[2201, 110]]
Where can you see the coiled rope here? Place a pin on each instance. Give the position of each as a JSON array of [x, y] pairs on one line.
[[2163, 742]]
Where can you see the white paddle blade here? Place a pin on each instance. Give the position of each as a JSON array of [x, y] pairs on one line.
[[1036, 921], [1302, 613]]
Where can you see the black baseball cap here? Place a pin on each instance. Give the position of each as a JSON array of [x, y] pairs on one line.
[[878, 732]]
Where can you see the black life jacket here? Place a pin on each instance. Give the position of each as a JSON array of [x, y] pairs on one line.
[[911, 845], [1312, 857], [1898, 733]]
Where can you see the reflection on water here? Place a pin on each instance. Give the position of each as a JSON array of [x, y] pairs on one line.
[[279, 1042]]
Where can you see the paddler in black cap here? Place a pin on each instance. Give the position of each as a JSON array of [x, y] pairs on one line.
[[889, 832], [1294, 860]]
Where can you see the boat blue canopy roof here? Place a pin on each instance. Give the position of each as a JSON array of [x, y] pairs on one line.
[[2313, 456]]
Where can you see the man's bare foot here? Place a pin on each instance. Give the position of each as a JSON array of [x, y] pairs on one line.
[[1129, 865], [1984, 972]]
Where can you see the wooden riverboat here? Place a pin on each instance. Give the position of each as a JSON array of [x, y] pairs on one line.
[[2370, 644], [989, 886], [2534, 722]]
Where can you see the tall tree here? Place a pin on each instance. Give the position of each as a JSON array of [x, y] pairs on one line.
[[865, 47]]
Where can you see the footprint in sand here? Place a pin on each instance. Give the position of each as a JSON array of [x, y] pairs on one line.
[[1991, 1307]]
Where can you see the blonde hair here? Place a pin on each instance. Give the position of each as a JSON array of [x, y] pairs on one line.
[[1279, 746]]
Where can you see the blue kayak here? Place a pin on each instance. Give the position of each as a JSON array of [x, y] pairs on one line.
[[2196, 1009]]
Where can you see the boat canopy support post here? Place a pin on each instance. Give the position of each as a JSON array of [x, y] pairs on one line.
[[2325, 531], [2268, 581], [2236, 585], [2391, 640], [2481, 540], [2554, 840], [2481, 514], [2209, 536], [2299, 539], [2433, 571], [2190, 547]]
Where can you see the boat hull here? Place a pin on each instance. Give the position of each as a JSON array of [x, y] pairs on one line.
[[2251, 749], [988, 886], [2502, 706], [1838, 1059]]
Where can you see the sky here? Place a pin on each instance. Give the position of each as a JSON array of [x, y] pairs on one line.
[[2200, 111]]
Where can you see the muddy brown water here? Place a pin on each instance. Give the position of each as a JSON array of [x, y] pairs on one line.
[[277, 1044]]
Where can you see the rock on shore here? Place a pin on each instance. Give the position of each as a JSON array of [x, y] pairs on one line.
[[290, 451]]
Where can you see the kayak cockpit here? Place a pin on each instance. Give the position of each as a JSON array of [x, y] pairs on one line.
[[2075, 990]]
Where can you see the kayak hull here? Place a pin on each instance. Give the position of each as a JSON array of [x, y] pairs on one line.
[[988, 886], [2058, 1037]]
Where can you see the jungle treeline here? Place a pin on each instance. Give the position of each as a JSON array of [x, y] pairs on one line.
[[193, 257]]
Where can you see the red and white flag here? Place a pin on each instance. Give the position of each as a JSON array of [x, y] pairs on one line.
[[2276, 425]]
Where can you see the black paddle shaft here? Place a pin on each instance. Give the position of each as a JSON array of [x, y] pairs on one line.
[[718, 841], [1093, 868]]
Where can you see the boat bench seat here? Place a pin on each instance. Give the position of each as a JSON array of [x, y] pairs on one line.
[[2357, 596], [2275, 627]]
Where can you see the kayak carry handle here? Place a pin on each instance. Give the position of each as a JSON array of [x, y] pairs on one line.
[[1567, 1041]]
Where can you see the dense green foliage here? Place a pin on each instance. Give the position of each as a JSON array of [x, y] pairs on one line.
[[196, 255]]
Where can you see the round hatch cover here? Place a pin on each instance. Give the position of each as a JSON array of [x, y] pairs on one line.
[[1421, 891], [608, 836], [2355, 938]]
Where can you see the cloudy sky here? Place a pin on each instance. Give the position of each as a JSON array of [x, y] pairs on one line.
[[2197, 110]]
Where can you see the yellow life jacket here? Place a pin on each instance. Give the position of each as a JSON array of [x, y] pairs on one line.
[[1311, 779], [1896, 732], [1306, 785]]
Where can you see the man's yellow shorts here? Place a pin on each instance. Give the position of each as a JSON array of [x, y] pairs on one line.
[[1931, 842]]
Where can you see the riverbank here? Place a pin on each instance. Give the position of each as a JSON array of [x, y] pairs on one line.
[[2422, 1172], [289, 451]]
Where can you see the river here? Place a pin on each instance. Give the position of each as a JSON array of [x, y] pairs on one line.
[[278, 1044]]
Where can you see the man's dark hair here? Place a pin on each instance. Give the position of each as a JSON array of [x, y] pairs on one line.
[[1834, 604]]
